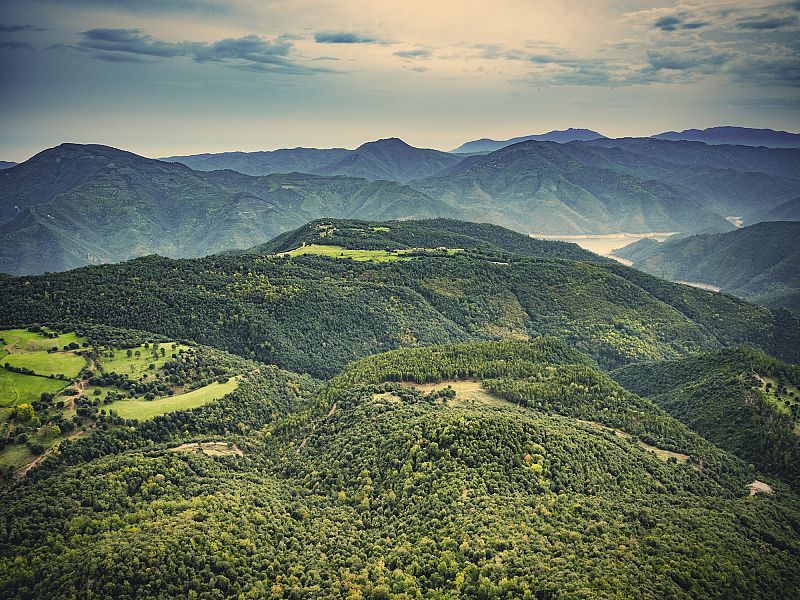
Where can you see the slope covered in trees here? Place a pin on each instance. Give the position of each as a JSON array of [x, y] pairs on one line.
[[314, 314], [740, 399], [86, 204], [760, 262], [380, 490]]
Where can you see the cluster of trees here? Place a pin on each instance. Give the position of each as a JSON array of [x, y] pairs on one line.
[[392, 494]]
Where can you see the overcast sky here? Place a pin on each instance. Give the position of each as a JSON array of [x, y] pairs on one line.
[[163, 77]]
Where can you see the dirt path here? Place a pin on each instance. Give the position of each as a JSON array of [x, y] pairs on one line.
[[22, 471]]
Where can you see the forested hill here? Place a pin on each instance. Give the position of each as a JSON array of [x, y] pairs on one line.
[[434, 233], [384, 487], [314, 313], [740, 399], [760, 262]]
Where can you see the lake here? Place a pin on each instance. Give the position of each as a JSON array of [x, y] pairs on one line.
[[604, 243]]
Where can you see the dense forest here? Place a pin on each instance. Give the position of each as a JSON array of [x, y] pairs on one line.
[[378, 490], [314, 314], [415, 410]]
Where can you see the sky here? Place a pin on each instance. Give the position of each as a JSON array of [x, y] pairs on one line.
[[168, 77]]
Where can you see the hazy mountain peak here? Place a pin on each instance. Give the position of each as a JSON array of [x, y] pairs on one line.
[[571, 134], [739, 136]]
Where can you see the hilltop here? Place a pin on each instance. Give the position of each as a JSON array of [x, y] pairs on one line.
[[317, 309], [389, 158], [486, 145]]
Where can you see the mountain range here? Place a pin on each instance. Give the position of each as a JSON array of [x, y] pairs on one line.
[[760, 262], [391, 159], [741, 136], [82, 204], [486, 145]]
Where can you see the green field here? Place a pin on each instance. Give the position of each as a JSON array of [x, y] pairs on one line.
[[47, 363], [135, 367], [360, 255], [147, 409], [16, 388], [22, 340]]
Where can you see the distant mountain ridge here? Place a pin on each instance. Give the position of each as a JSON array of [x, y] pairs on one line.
[[788, 211], [81, 204], [561, 137], [389, 158], [738, 136], [760, 263], [86, 204]]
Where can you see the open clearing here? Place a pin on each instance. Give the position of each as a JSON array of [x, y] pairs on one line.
[[210, 448], [467, 390], [16, 388], [360, 255], [664, 455], [22, 340], [137, 366], [147, 409], [47, 363], [759, 487]]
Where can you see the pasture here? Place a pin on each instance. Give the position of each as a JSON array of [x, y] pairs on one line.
[[47, 363], [147, 409], [16, 388], [360, 255]]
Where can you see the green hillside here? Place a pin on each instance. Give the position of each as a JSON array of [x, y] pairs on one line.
[[385, 490], [59, 384], [760, 263], [316, 313], [740, 399]]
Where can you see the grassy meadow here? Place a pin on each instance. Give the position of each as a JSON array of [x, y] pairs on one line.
[[147, 409]]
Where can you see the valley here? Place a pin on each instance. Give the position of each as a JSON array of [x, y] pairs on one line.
[[605, 244]]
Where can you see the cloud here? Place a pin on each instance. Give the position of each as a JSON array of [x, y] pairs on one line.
[[675, 22], [17, 28], [345, 37], [251, 51], [412, 54], [766, 23], [9, 45]]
